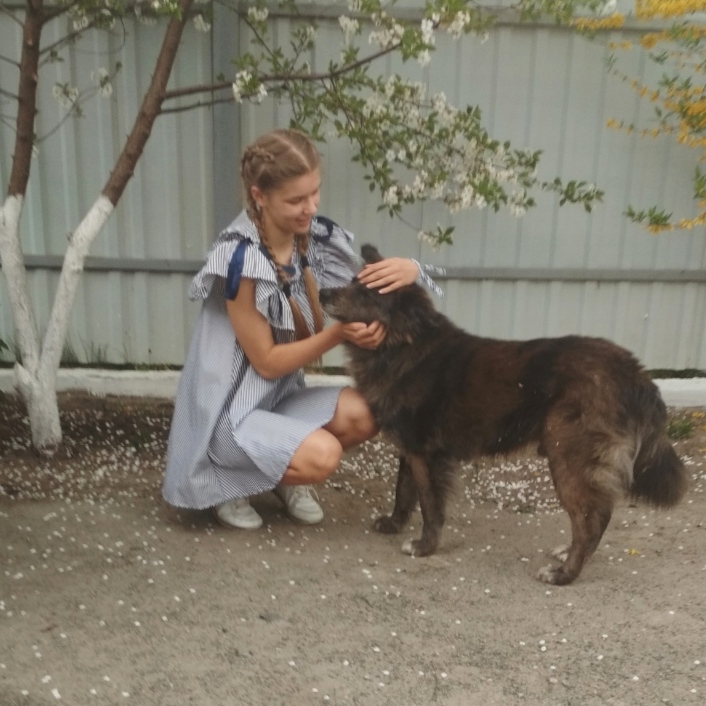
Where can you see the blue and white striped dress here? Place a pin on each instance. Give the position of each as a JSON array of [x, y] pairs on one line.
[[233, 432]]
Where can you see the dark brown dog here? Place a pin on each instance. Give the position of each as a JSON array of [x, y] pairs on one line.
[[442, 396]]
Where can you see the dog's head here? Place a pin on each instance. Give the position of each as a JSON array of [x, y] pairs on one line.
[[402, 312]]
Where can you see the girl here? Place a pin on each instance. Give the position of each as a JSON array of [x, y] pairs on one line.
[[244, 422]]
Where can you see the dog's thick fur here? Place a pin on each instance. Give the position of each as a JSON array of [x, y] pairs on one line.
[[443, 395]]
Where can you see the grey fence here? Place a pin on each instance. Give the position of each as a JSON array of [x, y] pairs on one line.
[[555, 271]]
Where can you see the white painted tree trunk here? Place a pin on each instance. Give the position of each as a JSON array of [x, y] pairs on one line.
[[35, 377]]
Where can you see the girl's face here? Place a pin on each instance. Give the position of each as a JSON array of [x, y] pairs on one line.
[[289, 209]]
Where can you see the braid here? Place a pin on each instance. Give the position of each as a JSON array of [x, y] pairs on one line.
[[267, 163], [312, 290], [300, 326]]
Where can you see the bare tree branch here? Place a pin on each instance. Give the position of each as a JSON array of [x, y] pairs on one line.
[[6, 11], [199, 104], [27, 98], [7, 94], [273, 78], [149, 110], [7, 59], [72, 36]]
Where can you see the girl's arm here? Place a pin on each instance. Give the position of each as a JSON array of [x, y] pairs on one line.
[[272, 360]]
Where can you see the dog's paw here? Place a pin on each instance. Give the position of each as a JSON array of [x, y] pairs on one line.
[[554, 575], [561, 552], [408, 546], [386, 525], [417, 547]]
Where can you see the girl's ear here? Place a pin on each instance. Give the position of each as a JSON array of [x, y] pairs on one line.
[[258, 196]]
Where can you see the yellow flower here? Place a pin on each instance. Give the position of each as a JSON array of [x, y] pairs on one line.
[[589, 24]]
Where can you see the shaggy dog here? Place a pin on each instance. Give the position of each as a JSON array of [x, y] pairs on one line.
[[443, 395]]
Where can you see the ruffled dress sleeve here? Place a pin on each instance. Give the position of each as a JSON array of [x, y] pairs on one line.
[[237, 253], [424, 276], [331, 256], [334, 263]]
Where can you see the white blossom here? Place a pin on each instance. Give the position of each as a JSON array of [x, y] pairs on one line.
[[65, 94], [201, 24], [517, 210], [144, 19], [424, 57], [428, 31], [459, 23], [391, 197], [102, 78], [437, 190], [429, 238], [420, 184], [374, 105], [386, 37], [258, 14], [467, 195], [349, 27], [80, 22]]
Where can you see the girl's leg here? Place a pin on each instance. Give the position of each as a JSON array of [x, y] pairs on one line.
[[320, 453], [315, 460], [352, 421]]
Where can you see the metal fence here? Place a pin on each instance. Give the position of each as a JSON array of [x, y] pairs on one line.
[[553, 272]]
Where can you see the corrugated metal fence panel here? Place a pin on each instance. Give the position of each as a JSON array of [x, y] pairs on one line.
[[546, 88], [165, 213], [541, 87]]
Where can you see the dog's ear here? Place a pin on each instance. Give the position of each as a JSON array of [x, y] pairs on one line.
[[370, 254]]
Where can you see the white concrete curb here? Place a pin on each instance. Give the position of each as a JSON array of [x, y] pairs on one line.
[[677, 392], [142, 383]]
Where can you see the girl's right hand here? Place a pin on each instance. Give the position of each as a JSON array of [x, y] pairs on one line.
[[368, 336]]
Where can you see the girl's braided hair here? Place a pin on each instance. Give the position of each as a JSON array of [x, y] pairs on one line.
[[267, 163]]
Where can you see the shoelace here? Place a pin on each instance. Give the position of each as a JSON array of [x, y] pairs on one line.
[[304, 491]]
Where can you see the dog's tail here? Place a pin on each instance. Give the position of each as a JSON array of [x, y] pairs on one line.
[[659, 476]]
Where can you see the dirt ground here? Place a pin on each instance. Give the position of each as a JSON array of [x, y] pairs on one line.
[[107, 596]]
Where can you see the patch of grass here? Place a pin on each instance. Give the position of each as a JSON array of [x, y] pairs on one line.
[[680, 428], [69, 356], [686, 373], [95, 354]]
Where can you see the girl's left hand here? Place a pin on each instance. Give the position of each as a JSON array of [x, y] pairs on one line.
[[389, 274]]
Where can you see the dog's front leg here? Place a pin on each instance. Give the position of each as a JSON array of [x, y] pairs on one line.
[[405, 500], [432, 505]]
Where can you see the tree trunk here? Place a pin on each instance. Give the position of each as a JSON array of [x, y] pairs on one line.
[[36, 374], [37, 385]]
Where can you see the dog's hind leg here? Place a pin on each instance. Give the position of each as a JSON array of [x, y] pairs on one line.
[[432, 486], [589, 509], [405, 500]]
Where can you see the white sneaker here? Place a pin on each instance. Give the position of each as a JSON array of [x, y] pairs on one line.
[[238, 513], [299, 503]]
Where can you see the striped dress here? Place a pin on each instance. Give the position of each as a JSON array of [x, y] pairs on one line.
[[233, 432]]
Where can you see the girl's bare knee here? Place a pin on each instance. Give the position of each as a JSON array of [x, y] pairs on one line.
[[318, 457], [328, 458], [353, 421], [365, 425]]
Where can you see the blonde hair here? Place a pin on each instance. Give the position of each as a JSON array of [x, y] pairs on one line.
[[267, 163]]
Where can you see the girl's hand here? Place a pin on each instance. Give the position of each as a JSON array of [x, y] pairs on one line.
[[389, 274], [368, 336]]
